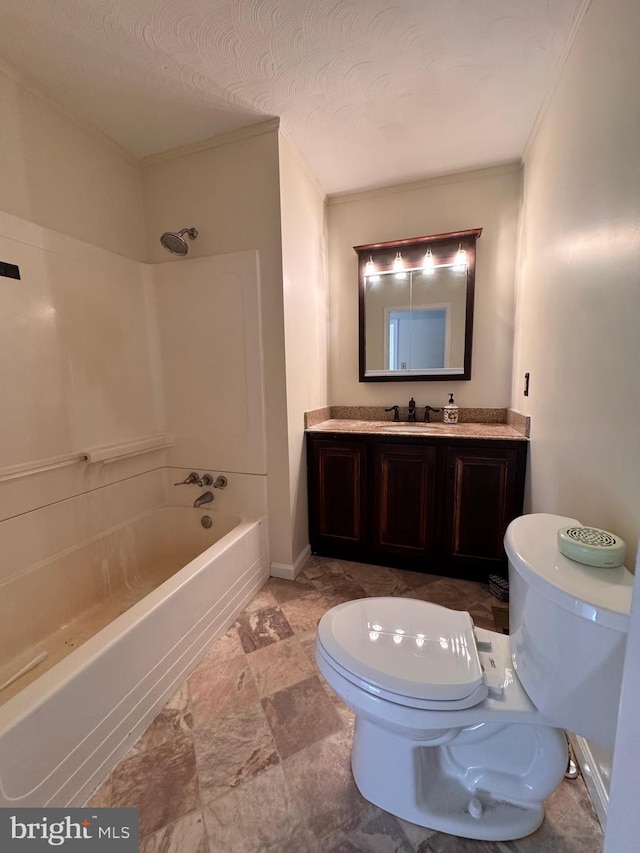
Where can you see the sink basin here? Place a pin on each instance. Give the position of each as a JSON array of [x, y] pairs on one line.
[[419, 427]]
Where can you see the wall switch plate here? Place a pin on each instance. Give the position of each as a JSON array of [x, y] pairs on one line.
[[526, 385]]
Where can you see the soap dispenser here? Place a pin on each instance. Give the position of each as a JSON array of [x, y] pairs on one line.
[[451, 411]]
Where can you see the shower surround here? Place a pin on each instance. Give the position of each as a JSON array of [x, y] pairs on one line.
[[120, 378]]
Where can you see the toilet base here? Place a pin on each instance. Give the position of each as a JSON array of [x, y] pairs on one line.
[[454, 788]]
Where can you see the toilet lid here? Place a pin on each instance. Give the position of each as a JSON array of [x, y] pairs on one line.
[[404, 646]]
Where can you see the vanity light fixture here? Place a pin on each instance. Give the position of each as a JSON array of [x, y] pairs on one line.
[[398, 266], [370, 270], [460, 263], [428, 264]]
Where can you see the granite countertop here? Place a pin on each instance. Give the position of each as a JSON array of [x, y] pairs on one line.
[[433, 430]]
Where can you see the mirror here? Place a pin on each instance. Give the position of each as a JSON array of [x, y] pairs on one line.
[[416, 307]]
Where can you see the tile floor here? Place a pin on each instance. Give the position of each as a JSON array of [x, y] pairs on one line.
[[252, 753]]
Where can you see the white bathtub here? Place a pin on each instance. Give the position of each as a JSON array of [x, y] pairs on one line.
[[62, 733]]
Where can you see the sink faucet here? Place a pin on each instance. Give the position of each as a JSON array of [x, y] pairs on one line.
[[395, 410], [411, 415], [205, 498], [428, 409]]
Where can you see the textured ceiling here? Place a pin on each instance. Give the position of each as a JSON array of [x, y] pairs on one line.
[[371, 91]]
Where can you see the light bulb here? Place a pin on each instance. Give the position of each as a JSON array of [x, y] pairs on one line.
[[460, 263], [428, 265], [369, 267], [398, 266]]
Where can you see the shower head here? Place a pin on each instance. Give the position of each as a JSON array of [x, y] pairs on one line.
[[175, 242]]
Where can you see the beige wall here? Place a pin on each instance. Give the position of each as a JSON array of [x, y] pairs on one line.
[[487, 199], [579, 292], [55, 173], [305, 317], [230, 192]]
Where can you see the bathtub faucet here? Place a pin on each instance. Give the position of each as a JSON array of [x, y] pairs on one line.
[[206, 498], [192, 478]]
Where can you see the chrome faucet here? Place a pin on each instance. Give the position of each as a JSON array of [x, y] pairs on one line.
[[206, 498]]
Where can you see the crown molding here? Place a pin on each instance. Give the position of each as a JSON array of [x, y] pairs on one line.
[[562, 61], [248, 132], [303, 164], [43, 94], [427, 183]]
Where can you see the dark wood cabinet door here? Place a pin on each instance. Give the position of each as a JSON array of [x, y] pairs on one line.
[[484, 493], [404, 486], [441, 507], [337, 494]]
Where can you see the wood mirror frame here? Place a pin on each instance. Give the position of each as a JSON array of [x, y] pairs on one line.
[[443, 249]]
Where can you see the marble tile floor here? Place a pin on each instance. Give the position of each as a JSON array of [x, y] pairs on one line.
[[252, 752]]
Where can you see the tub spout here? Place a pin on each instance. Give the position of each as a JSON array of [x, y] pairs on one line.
[[205, 498]]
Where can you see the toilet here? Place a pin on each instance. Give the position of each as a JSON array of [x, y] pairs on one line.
[[461, 729]]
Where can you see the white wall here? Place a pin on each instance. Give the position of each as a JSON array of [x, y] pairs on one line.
[[305, 291], [75, 351], [76, 364], [487, 199], [578, 305], [211, 354]]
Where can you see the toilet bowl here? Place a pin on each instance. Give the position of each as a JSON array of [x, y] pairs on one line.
[[460, 729]]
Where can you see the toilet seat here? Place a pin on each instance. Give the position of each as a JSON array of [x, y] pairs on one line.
[[406, 651]]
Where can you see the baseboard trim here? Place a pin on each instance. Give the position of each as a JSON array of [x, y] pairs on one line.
[[290, 571], [592, 777]]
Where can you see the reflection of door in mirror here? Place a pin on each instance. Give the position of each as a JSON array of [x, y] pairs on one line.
[[416, 307], [419, 337]]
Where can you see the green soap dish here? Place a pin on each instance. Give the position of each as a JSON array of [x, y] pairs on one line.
[[591, 546]]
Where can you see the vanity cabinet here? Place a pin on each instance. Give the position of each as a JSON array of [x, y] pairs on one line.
[[481, 498], [437, 505], [338, 499], [404, 478]]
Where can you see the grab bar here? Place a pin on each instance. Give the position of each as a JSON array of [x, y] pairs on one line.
[[26, 469], [107, 453], [111, 452]]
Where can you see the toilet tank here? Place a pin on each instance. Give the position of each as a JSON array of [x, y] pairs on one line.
[[568, 626]]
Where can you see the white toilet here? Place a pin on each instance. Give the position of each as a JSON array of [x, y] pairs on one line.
[[460, 729]]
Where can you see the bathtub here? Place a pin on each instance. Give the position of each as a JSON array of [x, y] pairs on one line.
[[169, 587]]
